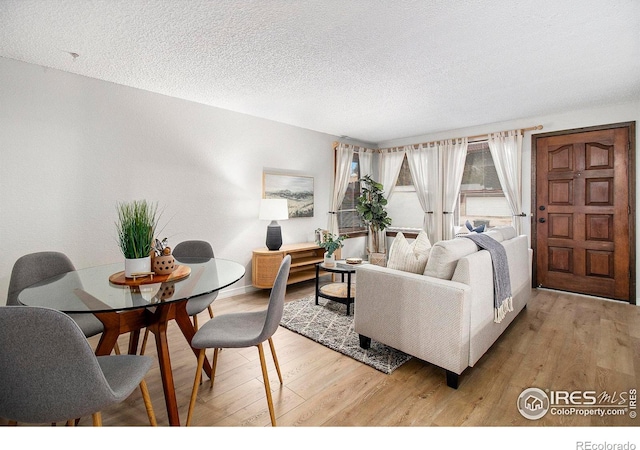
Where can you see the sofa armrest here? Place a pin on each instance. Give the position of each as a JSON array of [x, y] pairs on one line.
[[422, 316]]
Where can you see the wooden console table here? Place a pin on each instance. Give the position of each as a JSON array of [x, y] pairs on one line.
[[304, 257]]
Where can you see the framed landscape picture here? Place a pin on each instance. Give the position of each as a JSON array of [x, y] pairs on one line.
[[296, 189]]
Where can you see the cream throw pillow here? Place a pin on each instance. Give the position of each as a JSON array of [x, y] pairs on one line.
[[409, 257]]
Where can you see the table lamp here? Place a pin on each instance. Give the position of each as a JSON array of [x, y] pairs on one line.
[[274, 209]]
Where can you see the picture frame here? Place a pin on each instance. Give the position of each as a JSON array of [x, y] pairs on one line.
[[296, 189]]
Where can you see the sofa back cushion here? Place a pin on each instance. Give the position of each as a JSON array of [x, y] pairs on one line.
[[495, 234], [444, 257], [507, 231], [409, 257]]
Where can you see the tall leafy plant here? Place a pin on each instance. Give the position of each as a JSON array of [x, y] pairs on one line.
[[136, 228], [371, 208]]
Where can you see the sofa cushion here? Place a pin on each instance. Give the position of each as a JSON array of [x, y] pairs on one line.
[[444, 257], [496, 234], [409, 257], [507, 231]]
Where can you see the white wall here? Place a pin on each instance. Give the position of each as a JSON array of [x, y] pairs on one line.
[[405, 205], [71, 147]]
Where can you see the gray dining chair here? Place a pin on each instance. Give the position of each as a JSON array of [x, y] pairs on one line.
[[192, 250], [35, 267], [50, 374], [240, 330]]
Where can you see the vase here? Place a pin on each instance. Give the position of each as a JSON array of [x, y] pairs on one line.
[[136, 265], [164, 265], [329, 260]]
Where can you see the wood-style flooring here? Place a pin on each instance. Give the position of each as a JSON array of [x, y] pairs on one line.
[[559, 342]]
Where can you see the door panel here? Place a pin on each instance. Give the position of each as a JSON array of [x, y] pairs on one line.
[[582, 218]]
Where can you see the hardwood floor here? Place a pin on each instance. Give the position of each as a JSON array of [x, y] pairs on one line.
[[559, 342]]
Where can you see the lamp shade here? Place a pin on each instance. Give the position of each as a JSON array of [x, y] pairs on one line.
[[274, 209]]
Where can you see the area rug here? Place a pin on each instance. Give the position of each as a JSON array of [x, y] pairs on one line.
[[328, 325]]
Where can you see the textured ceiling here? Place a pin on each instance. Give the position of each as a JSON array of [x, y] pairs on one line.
[[372, 70]]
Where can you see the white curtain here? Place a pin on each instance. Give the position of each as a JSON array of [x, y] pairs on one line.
[[390, 165], [506, 151], [453, 154], [365, 156], [344, 157], [423, 164]]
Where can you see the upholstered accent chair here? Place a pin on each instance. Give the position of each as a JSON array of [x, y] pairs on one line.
[[50, 374], [240, 330], [191, 251], [35, 267]]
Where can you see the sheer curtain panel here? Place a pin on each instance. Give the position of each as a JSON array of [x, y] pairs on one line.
[[423, 165], [365, 156], [454, 154], [344, 157], [390, 165], [506, 151]]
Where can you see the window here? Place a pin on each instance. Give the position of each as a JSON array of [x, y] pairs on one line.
[[481, 199], [348, 219], [405, 182]]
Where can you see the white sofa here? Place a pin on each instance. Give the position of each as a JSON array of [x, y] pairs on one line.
[[444, 316]]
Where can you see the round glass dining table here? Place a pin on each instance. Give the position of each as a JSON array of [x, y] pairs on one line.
[[127, 306]]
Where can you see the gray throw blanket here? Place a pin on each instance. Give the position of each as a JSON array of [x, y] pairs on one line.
[[503, 300]]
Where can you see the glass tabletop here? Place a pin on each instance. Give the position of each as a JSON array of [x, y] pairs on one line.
[[89, 290]]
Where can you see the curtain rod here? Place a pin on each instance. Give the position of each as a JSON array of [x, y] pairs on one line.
[[470, 139], [476, 138]]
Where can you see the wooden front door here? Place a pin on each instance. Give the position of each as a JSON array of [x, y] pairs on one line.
[[583, 234]]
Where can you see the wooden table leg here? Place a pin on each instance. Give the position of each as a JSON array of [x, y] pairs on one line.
[[159, 329], [183, 321], [110, 334]]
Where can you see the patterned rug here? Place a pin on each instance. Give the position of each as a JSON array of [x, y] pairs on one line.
[[328, 325]]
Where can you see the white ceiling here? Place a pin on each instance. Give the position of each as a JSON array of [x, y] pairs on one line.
[[373, 70]]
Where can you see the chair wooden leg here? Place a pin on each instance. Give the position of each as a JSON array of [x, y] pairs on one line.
[[267, 386], [195, 322], [12, 423], [214, 364], [147, 403], [116, 349], [97, 419], [210, 312], [275, 359], [196, 385], [71, 423]]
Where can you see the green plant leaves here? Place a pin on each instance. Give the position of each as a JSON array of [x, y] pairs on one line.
[[136, 228]]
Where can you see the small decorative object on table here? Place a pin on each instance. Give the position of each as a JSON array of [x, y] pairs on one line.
[[163, 261], [354, 261], [330, 242]]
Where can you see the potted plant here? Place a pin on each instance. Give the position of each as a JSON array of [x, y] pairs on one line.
[[136, 229], [330, 243], [371, 209]]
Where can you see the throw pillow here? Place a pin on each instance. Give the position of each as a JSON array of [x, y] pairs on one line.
[[478, 229], [409, 257]]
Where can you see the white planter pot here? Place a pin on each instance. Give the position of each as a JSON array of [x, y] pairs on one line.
[[330, 261], [136, 265]]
